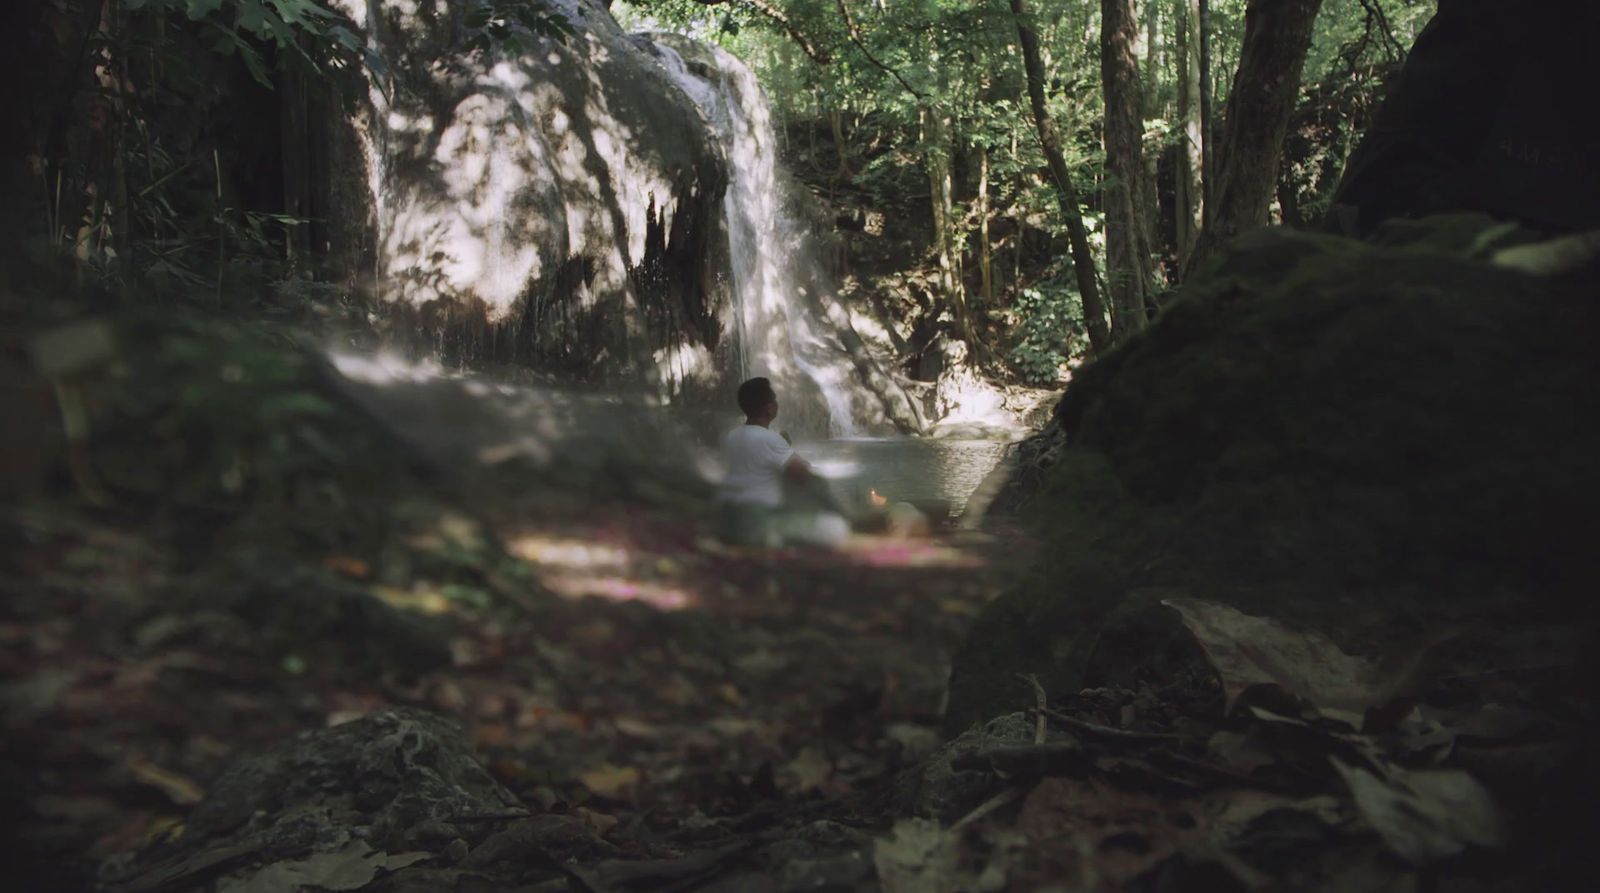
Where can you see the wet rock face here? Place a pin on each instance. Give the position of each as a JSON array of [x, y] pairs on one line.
[[1370, 439], [556, 203]]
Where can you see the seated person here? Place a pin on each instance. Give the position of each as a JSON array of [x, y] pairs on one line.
[[752, 508]]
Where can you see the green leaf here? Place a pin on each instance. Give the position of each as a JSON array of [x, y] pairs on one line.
[[252, 60], [199, 9], [252, 16]]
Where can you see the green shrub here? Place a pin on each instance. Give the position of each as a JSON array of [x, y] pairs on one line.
[[1049, 331]]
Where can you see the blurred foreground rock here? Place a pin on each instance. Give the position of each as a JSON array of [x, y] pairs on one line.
[[1373, 439], [396, 791]]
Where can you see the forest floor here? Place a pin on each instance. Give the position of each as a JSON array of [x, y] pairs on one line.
[[651, 681], [654, 711]]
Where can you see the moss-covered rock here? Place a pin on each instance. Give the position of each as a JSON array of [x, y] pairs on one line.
[[1362, 437]]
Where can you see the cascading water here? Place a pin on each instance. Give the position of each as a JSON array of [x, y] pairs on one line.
[[779, 335]]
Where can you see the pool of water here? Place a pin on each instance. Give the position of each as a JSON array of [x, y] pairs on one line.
[[924, 472]]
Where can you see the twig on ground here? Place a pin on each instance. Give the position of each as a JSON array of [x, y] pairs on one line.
[[1010, 795], [1040, 700], [1028, 760], [1082, 725]]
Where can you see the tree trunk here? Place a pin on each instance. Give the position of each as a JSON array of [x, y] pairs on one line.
[[293, 104], [1153, 61], [1208, 143], [842, 173], [1127, 245], [1094, 314], [1152, 106], [1277, 36], [985, 250], [936, 158], [1189, 183]]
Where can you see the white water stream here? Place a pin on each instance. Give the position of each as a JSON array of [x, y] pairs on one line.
[[780, 335]]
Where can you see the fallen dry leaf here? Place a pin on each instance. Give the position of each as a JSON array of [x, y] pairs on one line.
[[1426, 815], [1249, 651], [180, 789], [610, 781], [919, 856], [599, 822], [348, 566], [811, 769], [351, 867], [638, 728]]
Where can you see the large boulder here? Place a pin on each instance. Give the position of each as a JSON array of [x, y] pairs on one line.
[[1371, 439], [547, 199]]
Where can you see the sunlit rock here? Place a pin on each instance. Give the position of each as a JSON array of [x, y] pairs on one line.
[[558, 205]]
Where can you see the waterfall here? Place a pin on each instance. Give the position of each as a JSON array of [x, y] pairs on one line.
[[781, 333]]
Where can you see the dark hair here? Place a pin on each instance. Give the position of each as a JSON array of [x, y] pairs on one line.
[[755, 394]]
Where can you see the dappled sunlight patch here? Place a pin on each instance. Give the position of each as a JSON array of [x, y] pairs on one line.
[[567, 552], [576, 568], [432, 599], [618, 589], [383, 368], [684, 361], [888, 552]]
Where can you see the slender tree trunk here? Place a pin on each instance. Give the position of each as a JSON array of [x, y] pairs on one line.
[[1208, 144], [936, 158], [1189, 183], [1277, 36], [121, 205], [985, 251], [1152, 58], [1094, 314], [1020, 185], [840, 146], [293, 99], [1150, 105], [1127, 245]]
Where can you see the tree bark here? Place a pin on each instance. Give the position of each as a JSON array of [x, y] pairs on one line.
[[1277, 36], [936, 158], [985, 250], [1127, 240], [1190, 195], [1154, 60], [1050, 141], [293, 104], [1208, 143]]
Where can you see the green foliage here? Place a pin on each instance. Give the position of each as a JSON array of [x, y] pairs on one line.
[[149, 186], [513, 26], [230, 422], [245, 28], [1050, 331]]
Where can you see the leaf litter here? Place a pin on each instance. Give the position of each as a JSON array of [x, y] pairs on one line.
[[756, 728]]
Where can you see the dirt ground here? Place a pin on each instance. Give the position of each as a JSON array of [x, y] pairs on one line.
[[643, 676]]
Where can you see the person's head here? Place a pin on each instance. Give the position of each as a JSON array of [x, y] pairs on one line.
[[758, 401]]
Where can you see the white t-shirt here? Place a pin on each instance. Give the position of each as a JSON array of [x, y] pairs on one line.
[[755, 457]]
